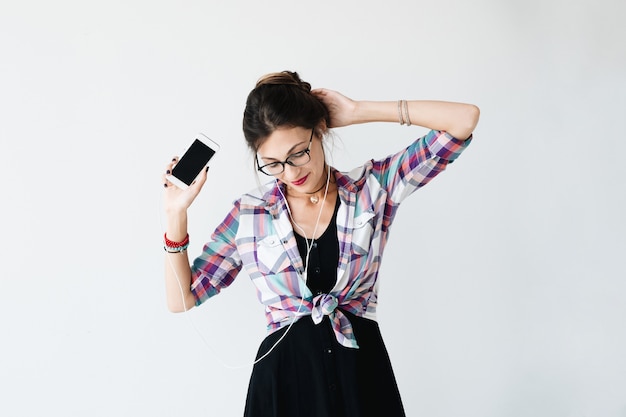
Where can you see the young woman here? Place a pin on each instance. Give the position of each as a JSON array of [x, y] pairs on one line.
[[312, 240]]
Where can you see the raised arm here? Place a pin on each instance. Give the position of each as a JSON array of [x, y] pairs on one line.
[[177, 269], [458, 119]]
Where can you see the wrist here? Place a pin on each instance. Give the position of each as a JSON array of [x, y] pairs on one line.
[[375, 111], [176, 225]]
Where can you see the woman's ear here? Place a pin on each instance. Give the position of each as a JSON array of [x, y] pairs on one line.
[[321, 129]]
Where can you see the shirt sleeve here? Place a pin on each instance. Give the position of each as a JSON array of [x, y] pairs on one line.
[[412, 168], [219, 263]]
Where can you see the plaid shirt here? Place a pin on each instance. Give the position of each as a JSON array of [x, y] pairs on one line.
[[257, 236]]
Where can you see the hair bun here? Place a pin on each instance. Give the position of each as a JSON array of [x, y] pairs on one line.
[[284, 78]]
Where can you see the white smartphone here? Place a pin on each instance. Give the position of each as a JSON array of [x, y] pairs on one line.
[[193, 161]]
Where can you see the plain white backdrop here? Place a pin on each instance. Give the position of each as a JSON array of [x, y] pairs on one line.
[[503, 287]]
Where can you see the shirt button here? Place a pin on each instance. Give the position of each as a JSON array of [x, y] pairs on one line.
[[317, 270], [329, 351], [314, 245]]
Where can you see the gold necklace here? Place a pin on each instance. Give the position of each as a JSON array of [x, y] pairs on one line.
[[315, 199]]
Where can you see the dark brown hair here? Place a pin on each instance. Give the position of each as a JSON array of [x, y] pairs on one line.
[[280, 99]]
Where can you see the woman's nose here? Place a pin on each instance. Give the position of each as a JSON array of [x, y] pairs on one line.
[[291, 173]]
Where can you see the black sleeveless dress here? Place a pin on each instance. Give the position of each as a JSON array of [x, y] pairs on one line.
[[309, 374]]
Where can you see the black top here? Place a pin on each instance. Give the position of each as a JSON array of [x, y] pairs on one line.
[[324, 257]]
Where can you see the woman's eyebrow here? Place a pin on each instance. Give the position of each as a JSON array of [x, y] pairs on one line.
[[289, 153]]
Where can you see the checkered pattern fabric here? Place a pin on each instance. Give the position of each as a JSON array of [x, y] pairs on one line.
[[257, 236]]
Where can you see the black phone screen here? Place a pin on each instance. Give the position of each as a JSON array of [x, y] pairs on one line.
[[192, 162]]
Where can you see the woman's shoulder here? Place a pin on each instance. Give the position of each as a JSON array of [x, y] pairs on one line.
[[259, 196], [355, 176]]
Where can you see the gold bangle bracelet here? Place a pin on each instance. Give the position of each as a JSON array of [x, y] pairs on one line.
[[400, 118], [406, 111]]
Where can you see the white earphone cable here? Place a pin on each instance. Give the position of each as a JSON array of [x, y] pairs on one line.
[[304, 274]]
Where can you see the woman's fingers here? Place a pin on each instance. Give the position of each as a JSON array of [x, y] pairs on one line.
[[340, 108], [168, 171], [198, 183], [179, 198]]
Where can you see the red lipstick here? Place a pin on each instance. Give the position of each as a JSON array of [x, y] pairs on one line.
[[301, 181]]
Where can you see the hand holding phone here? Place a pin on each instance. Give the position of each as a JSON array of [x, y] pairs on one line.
[[193, 161]]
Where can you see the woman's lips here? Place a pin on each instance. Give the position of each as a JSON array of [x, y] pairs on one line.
[[301, 181]]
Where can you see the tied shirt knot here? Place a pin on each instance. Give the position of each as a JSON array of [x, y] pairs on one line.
[[326, 305]]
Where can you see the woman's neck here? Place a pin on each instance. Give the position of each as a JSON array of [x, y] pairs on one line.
[[325, 186]]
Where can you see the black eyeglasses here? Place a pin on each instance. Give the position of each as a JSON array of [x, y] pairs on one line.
[[295, 160]]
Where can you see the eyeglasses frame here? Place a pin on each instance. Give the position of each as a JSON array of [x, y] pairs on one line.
[[286, 161]]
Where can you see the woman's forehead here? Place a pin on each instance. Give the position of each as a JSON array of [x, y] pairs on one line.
[[282, 142]]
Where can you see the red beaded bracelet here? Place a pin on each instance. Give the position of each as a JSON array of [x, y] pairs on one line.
[[174, 245]]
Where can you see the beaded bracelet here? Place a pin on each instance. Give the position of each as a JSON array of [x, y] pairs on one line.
[[173, 244], [172, 247], [177, 249]]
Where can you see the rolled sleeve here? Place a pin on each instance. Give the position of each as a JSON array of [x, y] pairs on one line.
[[445, 146], [415, 166]]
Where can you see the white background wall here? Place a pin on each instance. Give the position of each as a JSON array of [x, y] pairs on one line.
[[503, 284]]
